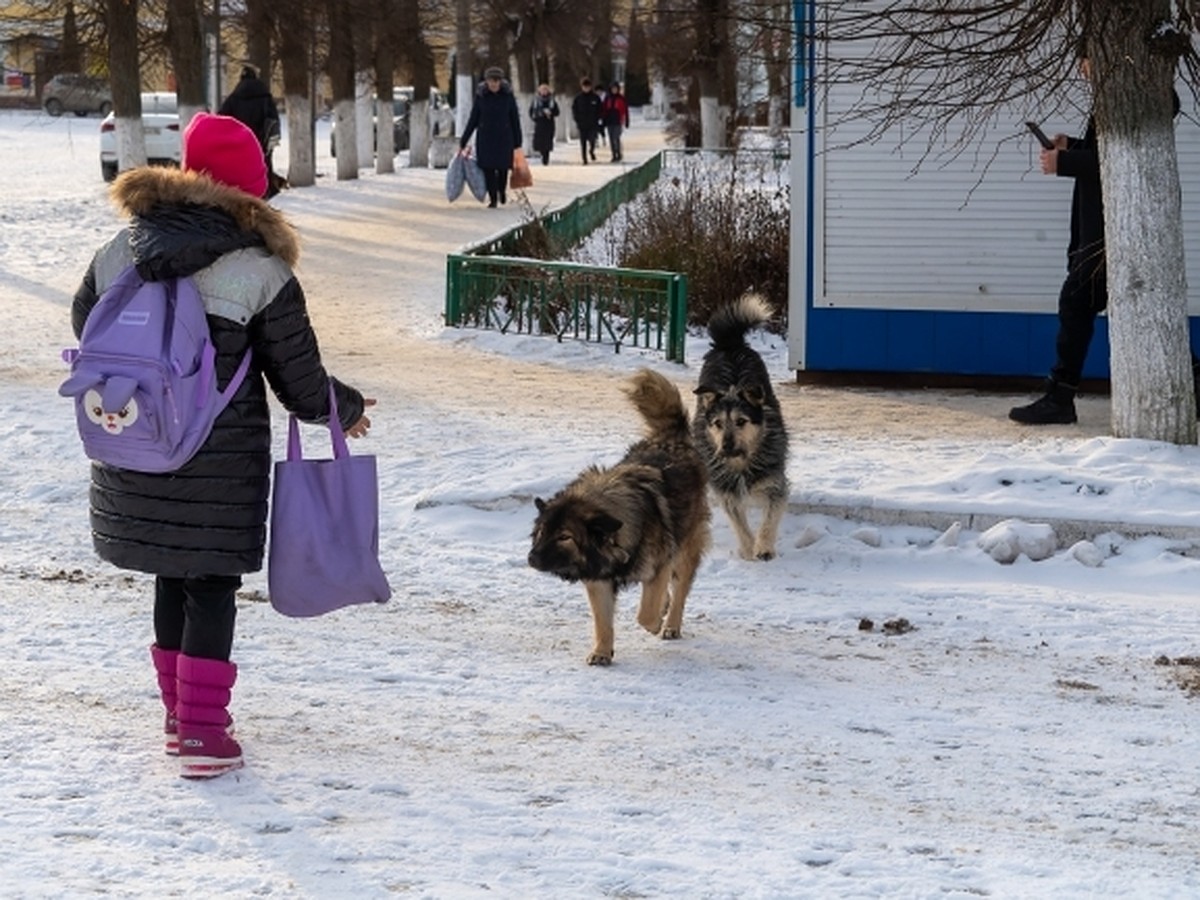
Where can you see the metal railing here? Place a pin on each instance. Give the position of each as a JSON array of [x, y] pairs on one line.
[[491, 285], [487, 287], [624, 307]]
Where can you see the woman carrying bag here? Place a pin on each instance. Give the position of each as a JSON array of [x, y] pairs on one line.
[[495, 117]]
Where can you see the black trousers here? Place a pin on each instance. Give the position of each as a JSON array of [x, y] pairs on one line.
[[196, 615], [1084, 294], [587, 143], [495, 179]]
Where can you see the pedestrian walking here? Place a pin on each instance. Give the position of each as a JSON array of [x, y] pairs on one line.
[[496, 124], [587, 113], [543, 110], [615, 110], [251, 103]]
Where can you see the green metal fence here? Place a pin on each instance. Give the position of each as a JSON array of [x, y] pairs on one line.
[[487, 287], [624, 307]]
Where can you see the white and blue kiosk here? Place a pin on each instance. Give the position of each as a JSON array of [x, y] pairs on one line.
[[910, 264]]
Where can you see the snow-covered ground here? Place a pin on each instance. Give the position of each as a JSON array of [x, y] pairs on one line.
[[883, 711]]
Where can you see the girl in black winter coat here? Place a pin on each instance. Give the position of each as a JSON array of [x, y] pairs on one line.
[[494, 115], [199, 529]]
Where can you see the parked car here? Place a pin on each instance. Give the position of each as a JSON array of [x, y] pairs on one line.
[[160, 122], [80, 94], [400, 100]]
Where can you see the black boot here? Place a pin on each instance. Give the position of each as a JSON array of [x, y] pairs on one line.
[[1056, 407]]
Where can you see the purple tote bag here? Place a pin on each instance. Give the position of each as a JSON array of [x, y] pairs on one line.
[[324, 551]]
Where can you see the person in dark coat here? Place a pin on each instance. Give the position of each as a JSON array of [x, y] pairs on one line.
[[251, 103], [495, 116], [199, 529], [543, 110], [1084, 293], [587, 113], [615, 111]]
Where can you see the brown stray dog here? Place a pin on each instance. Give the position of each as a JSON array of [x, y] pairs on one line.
[[645, 519]]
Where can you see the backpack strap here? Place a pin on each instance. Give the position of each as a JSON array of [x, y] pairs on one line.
[[238, 377]]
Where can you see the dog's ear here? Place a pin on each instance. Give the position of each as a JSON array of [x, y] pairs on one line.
[[753, 394], [705, 396], [540, 504], [604, 524]]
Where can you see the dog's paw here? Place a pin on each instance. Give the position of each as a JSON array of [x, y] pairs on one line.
[[599, 659], [765, 555], [671, 634]]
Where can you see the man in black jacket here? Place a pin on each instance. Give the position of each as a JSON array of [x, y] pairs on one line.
[[1084, 293], [586, 111]]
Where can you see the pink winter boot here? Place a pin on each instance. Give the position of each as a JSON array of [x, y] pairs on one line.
[[164, 665], [206, 748]]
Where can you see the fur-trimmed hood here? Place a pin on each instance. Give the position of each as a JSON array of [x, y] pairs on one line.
[[149, 192]]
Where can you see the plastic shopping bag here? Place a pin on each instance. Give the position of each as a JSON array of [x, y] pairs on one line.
[[521, 176], [455, 177]]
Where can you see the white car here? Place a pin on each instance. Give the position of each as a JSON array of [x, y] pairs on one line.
[[160, 122]]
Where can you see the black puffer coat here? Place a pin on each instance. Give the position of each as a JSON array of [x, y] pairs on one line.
[[209, 517]]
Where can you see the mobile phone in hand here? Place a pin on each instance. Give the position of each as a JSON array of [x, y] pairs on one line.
[[1040, 135]]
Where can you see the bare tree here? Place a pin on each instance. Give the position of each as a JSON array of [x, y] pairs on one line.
[[70, 53], [951, 68], [464, 64], [126, 80], [185, 44], [260, 31], [342, 73], [414, 51], [296, 39], [383, 52]]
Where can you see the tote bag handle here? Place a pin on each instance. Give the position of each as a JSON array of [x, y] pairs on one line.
[[337, 435]]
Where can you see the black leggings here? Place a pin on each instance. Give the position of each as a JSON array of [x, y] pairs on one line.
[[496, 179], [196, 615]]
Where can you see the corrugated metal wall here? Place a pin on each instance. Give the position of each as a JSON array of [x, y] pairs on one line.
[[934, 262]]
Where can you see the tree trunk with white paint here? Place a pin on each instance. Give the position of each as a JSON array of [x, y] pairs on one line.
[[1152, 391]]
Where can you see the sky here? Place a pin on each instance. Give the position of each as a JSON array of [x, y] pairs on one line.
[[944, 686]]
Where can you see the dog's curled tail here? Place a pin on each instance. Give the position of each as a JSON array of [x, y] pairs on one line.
[[729, 324], [659, 403]]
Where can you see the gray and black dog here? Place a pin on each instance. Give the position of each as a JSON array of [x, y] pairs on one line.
[[739, 430]]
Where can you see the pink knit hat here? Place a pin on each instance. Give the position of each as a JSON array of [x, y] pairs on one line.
[[225, 150]]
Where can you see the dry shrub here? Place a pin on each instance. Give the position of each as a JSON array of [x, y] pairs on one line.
[[723, 223]]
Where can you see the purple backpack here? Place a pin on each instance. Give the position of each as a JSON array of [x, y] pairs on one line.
[[144, 377]]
